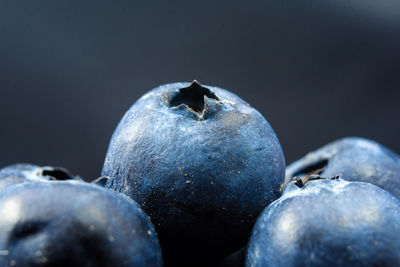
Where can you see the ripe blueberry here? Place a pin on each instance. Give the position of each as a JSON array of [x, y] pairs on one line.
[[24, 173], [355, 159], [72, 223], [201, 162], [328, 223]]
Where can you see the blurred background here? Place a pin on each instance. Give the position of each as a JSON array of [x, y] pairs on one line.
[[317, 70]]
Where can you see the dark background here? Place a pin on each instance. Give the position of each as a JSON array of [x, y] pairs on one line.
[[317, 70]]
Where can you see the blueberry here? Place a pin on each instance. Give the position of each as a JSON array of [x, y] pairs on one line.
[[355, 159], [72, 223], [201, 162], [328, 223], [23, 173]]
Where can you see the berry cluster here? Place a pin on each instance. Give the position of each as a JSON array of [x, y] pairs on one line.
[[194, 174]]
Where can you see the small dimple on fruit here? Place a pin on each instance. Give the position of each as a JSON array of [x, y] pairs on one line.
[[192, 97]]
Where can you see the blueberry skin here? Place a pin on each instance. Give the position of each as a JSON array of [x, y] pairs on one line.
[[355, 159], [201, 162], [328, 223], [25, 172], [70, 223]]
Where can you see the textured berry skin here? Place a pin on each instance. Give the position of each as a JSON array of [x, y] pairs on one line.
[[28, 173], [71, 223], [328, 223], [201, 162], [354, 159]]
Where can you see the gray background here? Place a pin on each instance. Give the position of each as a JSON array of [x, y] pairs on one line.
[[317, 70]]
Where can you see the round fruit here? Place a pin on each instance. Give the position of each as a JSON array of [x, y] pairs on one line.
[[71, 223], [201, 162], [24, 173], [355, 159], [328, 223]]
